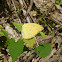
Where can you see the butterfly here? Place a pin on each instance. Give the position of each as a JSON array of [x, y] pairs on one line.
[[29, 30]]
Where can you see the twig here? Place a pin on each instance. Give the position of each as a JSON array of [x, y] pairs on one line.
[[16, 10], [32, 17], [4, 18], [30, 7], [57, 22], [24, 11], [36, 41], [28, 19], [25, 6], [5, 58], [57, 29], [46, 38], [36, 3], [22, 5]]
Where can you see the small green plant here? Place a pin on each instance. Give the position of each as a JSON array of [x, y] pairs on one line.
[[3, 38], [16, 48], [30, 42], [58, 2], [19, 10], [43, 50], [1, 27]]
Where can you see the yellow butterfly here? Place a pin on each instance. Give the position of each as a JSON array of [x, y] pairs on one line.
[[29, 30]]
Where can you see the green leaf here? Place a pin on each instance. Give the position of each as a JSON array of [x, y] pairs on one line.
[[15, 48], [25, 48], [58, 2], [18, 26], [30, 42], [43, 50], [1, 26], [4, 32], [41, 34], [3, 39], [1, 33], [3, 42]]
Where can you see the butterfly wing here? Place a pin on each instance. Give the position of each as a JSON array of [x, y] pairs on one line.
[[29, 30]]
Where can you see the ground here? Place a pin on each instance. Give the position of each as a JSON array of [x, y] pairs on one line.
[[43, 12]]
